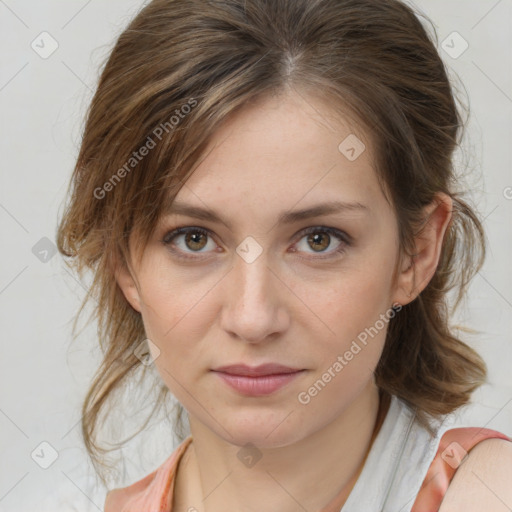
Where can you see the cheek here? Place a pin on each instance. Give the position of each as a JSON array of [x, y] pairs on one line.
[[171, 322], [357, 315], [352, 301], [176, 312], [355, 311], [170, 297]]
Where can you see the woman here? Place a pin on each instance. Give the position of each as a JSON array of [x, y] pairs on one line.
[[265, 193]]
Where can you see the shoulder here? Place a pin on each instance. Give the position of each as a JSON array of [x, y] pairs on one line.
[[124, 498], [113, 501], [136, 495], [151, 492], [482, 481]]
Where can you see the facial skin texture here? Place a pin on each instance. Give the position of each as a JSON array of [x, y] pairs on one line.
[[293, 308]]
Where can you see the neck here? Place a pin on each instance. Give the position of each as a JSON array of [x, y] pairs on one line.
[[319, 469]]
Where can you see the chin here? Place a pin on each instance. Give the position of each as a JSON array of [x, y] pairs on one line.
[[263, 430]]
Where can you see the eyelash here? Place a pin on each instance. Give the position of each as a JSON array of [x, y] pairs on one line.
[[340, 235]]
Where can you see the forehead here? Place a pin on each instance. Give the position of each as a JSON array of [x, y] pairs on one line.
[[284, 151]]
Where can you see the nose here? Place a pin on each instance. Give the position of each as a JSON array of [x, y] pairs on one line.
[[254, 308]]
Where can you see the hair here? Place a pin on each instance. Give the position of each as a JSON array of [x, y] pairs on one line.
[[179, 70]]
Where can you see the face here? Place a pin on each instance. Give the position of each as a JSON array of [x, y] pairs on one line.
[[312, 293]]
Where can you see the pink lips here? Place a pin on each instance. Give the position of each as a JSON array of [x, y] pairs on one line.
[[259, 380]]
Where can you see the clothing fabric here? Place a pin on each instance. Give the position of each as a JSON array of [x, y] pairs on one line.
[[406, 469]]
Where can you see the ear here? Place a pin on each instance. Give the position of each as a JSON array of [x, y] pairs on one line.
[[418, 269], [126, 282]]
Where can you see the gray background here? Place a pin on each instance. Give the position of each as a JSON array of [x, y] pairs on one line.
[[43, 374]]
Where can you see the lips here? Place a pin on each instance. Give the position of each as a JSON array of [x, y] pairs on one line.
[[257, 381], [256, 371]]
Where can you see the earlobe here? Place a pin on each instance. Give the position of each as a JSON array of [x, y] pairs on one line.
[[128, 286], [419, 268], [406, 282]]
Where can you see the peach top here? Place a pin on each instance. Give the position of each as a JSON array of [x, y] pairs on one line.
[[406, 469]]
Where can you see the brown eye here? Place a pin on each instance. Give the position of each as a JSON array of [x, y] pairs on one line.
[[193, 240], [320, 241]]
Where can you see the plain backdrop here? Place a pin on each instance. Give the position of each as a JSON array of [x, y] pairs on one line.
[[51, 53]]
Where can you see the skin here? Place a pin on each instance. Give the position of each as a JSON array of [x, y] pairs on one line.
[[288, 306], [482, 482]]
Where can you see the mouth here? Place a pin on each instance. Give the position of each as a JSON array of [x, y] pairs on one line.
[[256, 371], [257, 381]]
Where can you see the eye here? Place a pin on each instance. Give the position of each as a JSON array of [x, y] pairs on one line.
[[195, 239], [320, 238]]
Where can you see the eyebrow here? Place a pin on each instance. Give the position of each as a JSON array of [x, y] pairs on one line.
[[286, 217]]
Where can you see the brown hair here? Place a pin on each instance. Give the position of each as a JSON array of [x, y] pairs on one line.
[[371, 60]]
